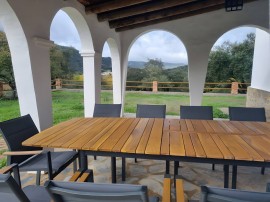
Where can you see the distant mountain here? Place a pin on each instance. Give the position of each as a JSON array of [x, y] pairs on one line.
[[140, 64]]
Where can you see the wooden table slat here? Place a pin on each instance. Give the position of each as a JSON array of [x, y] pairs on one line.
[[183, 125], [197, 145], [146, 134], [177, 147], [198, 126], [189, 149]]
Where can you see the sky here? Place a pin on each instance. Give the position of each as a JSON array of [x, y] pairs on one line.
[[156, 44]]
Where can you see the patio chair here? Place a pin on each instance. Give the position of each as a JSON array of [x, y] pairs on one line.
[[107, 110], [15, 131], [84, 192], [247, 114], [195, 112], [147, 111], [10, 188]]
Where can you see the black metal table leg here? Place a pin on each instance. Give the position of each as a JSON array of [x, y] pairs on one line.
[[113, 169], [123, 169], [83, 160], [167, 167], [226, 176], [234, 177]]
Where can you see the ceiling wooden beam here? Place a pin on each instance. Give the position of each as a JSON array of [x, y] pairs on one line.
[[170, 18], [177, 10], [112, 5], [140, 9]]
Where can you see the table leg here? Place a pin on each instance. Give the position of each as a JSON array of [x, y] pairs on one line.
[[167, 167], [226, 176], [234, 177], [123, 169], [83, 160], [113, 169]]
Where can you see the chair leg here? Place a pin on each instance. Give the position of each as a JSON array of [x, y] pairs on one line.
[[95, 157], [135, 160], [226, 176], [123, 169], [234, 177], [176, 165], [75, 168], [213, 166], [262, 170], [38, 178]]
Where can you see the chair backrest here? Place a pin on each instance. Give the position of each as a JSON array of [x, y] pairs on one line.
[[247, 114], [151, 111], [15, 131], [196, 112], [107, 110], [85, 192], [213, 194], [10, 191]]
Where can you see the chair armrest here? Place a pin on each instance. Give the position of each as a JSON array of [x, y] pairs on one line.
[[7, 169], [166, 196], [82, 175], [179, 189], [22, 153]]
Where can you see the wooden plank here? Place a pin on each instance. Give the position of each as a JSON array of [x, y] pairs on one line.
[[197, 145], [216, 127], [50, 131], [235, 148], [177, 146], [210, 147], [166, 125], [198, 126], [230, 127], [165, 143], [174, 125], [189, 125], [222, 147], [261, 145], [180, 196], [166, 196], [189, 149], [104, 125], [183, 125], [240, 126], [208, 128], [132, 142], [252, 152], [143, 142], [45, 142], [122, 141], [95, 142], [254, 127], [154, 142]]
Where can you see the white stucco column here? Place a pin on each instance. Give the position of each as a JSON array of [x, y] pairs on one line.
[[197, 69], [261, 62], [92, 80]]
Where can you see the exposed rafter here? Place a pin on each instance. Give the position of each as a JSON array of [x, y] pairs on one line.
[[130, 14]]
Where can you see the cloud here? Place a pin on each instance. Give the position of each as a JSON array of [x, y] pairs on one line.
[[158, 44], [64, 32]]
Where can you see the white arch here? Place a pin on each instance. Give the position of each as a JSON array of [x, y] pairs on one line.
[[23, 72], [116, 70]]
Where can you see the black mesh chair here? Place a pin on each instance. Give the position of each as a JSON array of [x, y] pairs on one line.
[[195, 112], [15, 131], [147, 111], [10, 189], [247, 114], [84, 192], [107, 110], [213, 194]]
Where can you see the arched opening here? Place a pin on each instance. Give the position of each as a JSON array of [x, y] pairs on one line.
[[157, 63], [71, 39], [230, 70]]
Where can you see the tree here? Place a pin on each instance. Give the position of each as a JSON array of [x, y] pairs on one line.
[[154, 71], [6, 70]]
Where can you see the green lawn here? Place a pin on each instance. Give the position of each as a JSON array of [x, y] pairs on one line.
[[69, 104]]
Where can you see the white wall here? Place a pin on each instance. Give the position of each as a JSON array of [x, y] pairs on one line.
[[261, 63]]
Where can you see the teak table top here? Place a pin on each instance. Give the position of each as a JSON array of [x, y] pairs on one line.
[[231, 140]]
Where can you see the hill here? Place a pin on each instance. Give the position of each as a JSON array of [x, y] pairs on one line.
[[140, 64]]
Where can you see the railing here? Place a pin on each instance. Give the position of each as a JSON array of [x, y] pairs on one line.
[[155, 86]]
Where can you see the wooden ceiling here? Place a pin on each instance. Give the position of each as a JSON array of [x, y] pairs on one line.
[[124, 15]]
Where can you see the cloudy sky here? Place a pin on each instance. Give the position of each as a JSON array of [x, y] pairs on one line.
[[155, 44]]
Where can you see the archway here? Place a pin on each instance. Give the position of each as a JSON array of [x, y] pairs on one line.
[[157, 62]]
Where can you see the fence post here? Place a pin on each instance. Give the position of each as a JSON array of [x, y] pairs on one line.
[[234, 88], [155, 86], [58, 84], [1, 89]]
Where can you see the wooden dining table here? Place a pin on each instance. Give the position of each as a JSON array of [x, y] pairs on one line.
[[203, 141]]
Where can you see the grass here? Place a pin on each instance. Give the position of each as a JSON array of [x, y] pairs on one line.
[[69, 104]]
